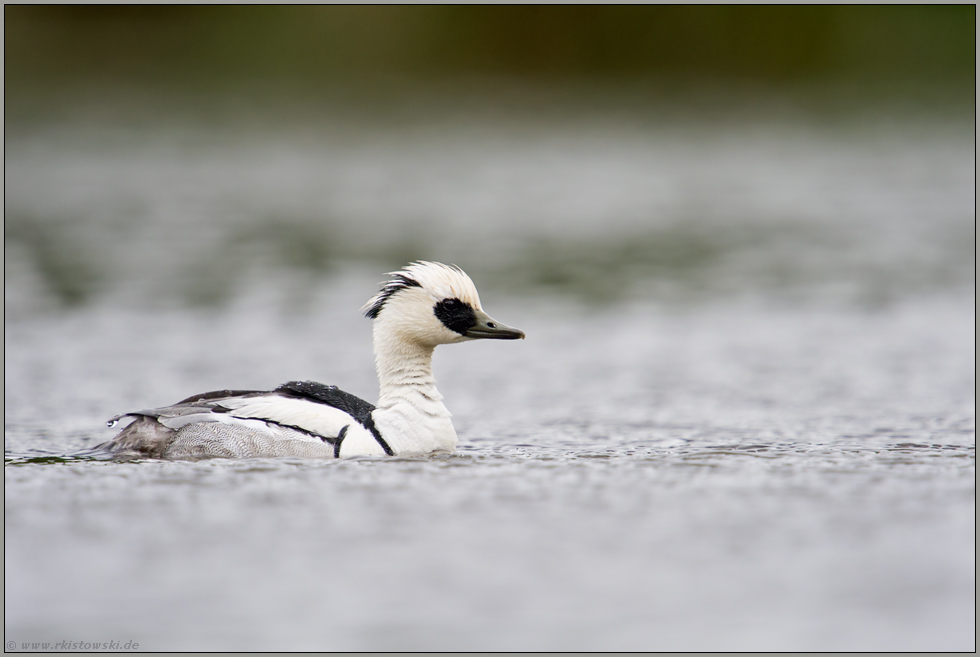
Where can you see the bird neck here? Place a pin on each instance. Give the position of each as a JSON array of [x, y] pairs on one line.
[[410, 413], [405, 374]]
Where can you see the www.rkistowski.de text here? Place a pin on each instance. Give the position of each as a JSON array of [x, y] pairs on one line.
[[72, 645]]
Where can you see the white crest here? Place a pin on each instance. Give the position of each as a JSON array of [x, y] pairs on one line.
[[439, 280]]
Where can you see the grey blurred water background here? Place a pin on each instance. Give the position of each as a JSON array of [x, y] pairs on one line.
[[741, 242]]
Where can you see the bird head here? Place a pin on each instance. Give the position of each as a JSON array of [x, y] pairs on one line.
[[431, 303]]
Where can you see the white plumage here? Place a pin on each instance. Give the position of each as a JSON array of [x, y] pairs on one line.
[[422, 306]]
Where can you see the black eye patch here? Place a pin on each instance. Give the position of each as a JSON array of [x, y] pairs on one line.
[[455, 315]]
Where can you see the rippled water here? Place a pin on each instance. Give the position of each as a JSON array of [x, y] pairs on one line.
[[747, 439]]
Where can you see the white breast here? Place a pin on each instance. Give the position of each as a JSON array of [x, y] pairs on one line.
[[410, 431]]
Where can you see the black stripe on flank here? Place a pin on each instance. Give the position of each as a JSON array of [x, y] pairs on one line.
[[397, 283], [368, 424], [338, 440], [327, 439], [313, 434], [455, 315]]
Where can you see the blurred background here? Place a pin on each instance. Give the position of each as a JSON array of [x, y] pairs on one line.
[[602, 153], [315, 46]]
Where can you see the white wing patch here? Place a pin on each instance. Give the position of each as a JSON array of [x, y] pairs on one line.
[[318, 418]]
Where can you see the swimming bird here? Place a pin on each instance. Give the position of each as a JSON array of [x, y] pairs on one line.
[[424, 305]]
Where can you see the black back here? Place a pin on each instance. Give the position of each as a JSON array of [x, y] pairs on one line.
[[329, 395]]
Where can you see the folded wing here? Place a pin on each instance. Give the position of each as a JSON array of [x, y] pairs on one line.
[[296, 419]]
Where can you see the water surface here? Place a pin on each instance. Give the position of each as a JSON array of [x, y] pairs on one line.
[[743, 418]]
